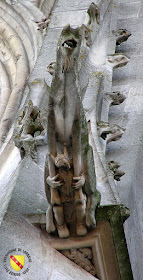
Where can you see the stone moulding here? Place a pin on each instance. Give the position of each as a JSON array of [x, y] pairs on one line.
[[103, 252], [116, 216], [107, 241], [18, 56]]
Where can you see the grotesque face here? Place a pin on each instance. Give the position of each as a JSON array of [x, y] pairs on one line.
[[70, 38], [117, 98], [69, 46]]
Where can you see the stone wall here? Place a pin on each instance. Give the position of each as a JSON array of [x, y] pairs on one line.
[[128, 151]]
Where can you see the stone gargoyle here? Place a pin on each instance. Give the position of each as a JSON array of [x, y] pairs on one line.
[[69, 168]]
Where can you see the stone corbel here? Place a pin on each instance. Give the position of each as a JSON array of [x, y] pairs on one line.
[[115, 98], [114, 167], [91, 26], [88, 32], [122, 36], [111, 99], [117, 60], [109, 132]]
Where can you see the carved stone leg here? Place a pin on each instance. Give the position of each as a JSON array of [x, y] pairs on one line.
[[61, 225], [50, 227], [90, 213], [55, 198], [79, 196], [80, 199], [80, 213], [51, 142], [76, 148]]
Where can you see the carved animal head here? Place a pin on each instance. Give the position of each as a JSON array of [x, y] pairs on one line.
[[114, 166], [73, 254], [69, 46], [122, 36], [117, 98], [110, 132], [86, 252], [51, 68], [93, 13], [104, 129], [61, 161], [117, 60], [116, 133]]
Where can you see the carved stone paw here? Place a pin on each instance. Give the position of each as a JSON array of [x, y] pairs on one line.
[[81, 230], [50, 227], [90, 269], [53, 183], [63, 231], [90, 219], [80, 182]]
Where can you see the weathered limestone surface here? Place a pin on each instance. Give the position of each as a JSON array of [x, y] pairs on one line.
[[128, 151], [24, 187], [47, 263]]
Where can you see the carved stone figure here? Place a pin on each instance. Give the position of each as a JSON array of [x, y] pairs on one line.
[[114, 167], [117, 60], [122, 36], [94, 13], [82, 257], [29, 127], [69, 168], [110, 132], [32, 121], [43, 24], [116, 98]]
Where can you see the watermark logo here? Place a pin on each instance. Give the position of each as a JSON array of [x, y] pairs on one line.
[[17, 262]]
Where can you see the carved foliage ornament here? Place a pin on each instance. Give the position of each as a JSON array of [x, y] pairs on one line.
[[82, 257]]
